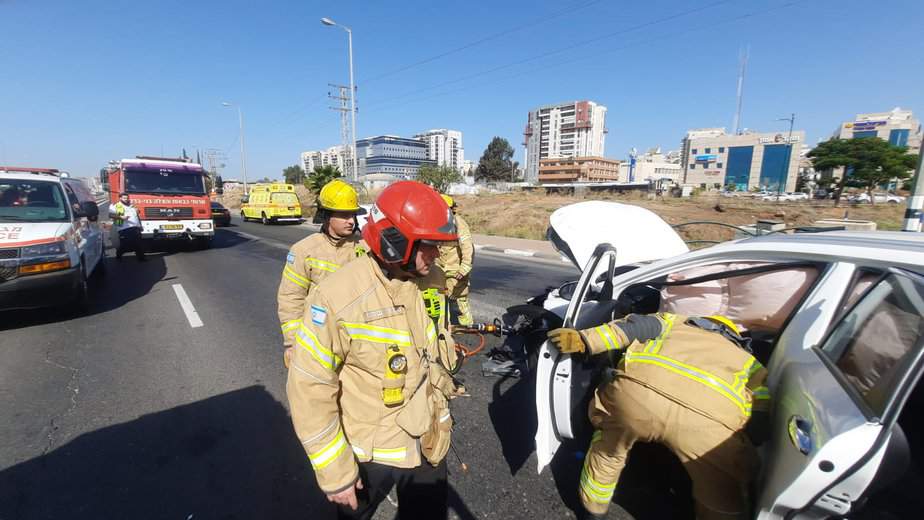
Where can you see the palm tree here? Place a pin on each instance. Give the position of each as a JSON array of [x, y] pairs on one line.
[[320, 176]]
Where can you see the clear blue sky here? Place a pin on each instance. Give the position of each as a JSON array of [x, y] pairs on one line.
[[89, 81]]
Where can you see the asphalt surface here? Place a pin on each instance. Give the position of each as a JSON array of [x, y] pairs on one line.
[[128, 411]]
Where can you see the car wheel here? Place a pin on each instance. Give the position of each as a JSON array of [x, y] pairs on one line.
[[100, 269], [263, 219], [243, 217], [81, 295]]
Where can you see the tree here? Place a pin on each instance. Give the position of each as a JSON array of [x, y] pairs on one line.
[[320, 176], [293, 174], [497, 162], [440, 177], [867, 161]]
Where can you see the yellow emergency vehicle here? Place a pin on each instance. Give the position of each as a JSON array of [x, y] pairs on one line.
[[268, 203]]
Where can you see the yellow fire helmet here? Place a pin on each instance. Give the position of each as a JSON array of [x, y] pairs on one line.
[[337, 195], [449, 202], [722, 320]]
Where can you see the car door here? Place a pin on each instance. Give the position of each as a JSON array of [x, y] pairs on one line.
[[836, 405]]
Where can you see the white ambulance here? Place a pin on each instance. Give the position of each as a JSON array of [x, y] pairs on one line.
[[50, 240]]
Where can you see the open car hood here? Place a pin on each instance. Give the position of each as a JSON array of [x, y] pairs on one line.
[[638, 234]]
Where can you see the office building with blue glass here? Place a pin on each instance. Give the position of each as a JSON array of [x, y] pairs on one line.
[[898, 127], [399, 157], [713, 159]]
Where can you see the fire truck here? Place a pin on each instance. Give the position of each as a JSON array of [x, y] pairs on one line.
[[169, 194]]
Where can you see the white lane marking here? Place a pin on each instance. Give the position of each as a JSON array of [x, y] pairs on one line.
[[191, 314], [519, 252]]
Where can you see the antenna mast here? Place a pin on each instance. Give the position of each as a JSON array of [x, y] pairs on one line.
[[742, 68]]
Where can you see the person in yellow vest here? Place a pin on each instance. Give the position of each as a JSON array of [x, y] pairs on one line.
[[456, 260], [689, 383], [317, 256], [126, 228], [367, 392]]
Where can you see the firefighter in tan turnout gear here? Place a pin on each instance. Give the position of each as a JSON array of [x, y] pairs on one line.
[[687, 383], [456, 260], [366, 387], [313, 258]]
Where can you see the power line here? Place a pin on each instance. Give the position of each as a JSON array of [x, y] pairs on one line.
[[562, 49], [479, 41], [733, 19]]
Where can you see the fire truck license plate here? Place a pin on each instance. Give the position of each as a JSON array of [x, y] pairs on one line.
[[169, 227]]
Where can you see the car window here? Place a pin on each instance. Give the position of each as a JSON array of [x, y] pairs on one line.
[[878, 338]]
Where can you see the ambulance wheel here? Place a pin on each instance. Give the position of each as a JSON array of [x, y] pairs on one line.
[[264, 220], [81, 294], [203, 243], [243, 216]]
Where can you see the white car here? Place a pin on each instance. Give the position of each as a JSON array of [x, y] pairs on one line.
[[50, 239], [786, 197], [878, 197], [837, 318]]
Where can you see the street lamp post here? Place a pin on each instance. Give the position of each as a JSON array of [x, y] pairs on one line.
[[329, 22], [240, 120], [785, 172]]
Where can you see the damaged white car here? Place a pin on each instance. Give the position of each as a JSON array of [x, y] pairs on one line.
[[836, 317]]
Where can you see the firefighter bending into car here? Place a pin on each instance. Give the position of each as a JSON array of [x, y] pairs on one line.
[[689, 383], [367, 390], [315, 257], [456, 260]]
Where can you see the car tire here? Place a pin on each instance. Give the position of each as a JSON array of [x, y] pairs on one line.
[[100, 270], [203, 243], [243, 216], [263, 219], [82, 293]]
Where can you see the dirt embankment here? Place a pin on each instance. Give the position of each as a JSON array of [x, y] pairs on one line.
[[526, 215]]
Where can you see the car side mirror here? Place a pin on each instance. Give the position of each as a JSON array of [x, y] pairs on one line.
[[88, 209]]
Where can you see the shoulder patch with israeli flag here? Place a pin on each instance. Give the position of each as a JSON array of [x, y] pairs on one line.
[[318, 315], [290, 258]]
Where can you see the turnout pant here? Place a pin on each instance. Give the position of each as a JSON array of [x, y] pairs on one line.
[[720, 461], [422, 491], [458, 294]]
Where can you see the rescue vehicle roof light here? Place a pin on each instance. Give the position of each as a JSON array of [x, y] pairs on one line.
[[26, 169]]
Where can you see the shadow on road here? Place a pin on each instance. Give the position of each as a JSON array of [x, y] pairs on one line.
[[233, 456]]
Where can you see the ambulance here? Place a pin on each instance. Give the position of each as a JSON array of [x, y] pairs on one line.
[[50, 239], [270, 203]]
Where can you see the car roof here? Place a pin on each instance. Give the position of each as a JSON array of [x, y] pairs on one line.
[[28, 176], [879, 246]]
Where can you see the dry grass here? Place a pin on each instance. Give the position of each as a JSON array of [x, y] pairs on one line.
[[526, 215]]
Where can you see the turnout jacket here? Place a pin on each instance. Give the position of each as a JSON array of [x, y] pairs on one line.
[[458, 257], [338, 375], [309, 261], [701, 369]]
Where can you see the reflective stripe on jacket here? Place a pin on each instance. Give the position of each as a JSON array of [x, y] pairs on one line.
[[309, 261], [700, 369], [337, 377]]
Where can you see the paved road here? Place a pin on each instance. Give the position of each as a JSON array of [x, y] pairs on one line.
[[129, 411]]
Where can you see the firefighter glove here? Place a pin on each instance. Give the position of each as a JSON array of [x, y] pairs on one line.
[[569, 341]]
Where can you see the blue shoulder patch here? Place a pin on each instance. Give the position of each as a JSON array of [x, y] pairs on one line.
[[318, 315], [290, 258]]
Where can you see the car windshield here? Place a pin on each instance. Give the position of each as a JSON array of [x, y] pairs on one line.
[[216, 205], [163, 182], [31, 201], [285, 198]]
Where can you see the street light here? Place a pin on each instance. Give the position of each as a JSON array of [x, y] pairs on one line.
[[785, 172], [331, 23], [240, 119]]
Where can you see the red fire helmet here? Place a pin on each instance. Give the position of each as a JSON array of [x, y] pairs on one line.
[[405, 214]]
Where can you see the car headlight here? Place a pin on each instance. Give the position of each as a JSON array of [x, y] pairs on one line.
[[54, 248], [205, 226]]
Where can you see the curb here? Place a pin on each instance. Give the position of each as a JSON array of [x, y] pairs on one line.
[[520, 252]]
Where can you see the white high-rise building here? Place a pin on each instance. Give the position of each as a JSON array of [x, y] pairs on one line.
[[444, 146], [574, 129], [333, 156]]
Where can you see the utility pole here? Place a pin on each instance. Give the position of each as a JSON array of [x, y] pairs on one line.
[[913, 214], [348, 165], [785, 173]]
